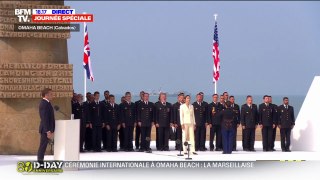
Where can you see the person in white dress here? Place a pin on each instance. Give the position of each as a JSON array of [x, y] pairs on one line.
[[188, 124]]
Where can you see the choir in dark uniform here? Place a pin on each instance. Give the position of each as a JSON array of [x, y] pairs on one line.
[[103, 122]]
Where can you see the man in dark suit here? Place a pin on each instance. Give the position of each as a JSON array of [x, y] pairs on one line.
[[275, 117], [236, 109], [249, 120], [138, 130], [112, 115], [95, 110], [176, 120], [86, 117], [267, 123], [200, 113], [78, 112], [214, 110], [145, 120], [106, 94], [163, 121], [47, 122], [286, 122], [128, 119]]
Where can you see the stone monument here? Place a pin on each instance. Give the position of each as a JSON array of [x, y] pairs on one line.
[[30, 61]]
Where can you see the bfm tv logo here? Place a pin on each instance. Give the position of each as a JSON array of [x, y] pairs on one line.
[[37, 167], [23, 14]]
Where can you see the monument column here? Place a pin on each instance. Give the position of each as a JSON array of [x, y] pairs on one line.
[[30, 61]]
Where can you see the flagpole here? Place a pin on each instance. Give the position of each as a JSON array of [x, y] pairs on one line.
[[84, 70], [215, 82]]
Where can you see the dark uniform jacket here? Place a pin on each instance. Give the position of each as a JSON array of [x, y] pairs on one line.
[[227, 118], [78, 112], [266, 115], [176, 113], [163, 114], [145, 113], [200, 113], [274, 112], [236, 109], [213, 118], [286, 116], [128, 113], [249, 117], [112, 115], [46, 112], [95, 113]]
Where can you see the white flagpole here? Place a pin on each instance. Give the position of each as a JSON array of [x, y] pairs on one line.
[[84, 70], [215, 82]]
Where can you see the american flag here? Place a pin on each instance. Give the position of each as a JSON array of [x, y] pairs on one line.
[[86, 54], [215, 54]]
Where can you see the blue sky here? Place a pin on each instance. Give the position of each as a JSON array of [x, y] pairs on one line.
[[265, 47]]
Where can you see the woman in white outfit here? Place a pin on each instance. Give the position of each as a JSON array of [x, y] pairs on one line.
[[188, 124]]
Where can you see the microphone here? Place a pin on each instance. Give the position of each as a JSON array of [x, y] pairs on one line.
[[57, 108]]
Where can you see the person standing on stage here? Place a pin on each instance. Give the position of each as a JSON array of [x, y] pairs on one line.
[[112, 114], [106, 94], [96, 119], [138, 130], [249, 118], [128, 118], [236, 109], [86, 115], [286, 122], [267, 123], [227, 128], [214, 110], [188, 124], [176, 120], [163, 111], [275, 117], [77, 110], [47, 122], [145, 121], [200, 110]]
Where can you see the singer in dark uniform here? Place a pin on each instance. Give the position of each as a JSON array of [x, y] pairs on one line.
[[47, 122], [138, 130], [227, 127], [176, 120], [214, 110], [145, 120], [201, 121], [249, 120], [128, 119], [77, 110], [267, 123], [236, 109], [286, 122], [95, 109], [163, 121], [112, 115]]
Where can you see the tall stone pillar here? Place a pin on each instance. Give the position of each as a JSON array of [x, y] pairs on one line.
[[30, 61]]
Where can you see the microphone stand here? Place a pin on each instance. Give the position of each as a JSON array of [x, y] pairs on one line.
[[188, 149], [178, 141]]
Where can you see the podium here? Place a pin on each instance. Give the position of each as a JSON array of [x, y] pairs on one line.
[[67, 140]]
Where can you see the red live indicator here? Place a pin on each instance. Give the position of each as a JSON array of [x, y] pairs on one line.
[[62, 18]]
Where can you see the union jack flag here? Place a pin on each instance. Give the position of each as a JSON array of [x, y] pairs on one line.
[[86, 54], [215, 54]]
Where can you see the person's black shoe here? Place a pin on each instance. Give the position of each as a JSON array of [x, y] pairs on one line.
[[288, 150], [98, 150], [141, 150], [81, 150], [114, 150], [202, 149], [108, 150], [218, 149], [211, 149], [224, 152], [205, 149], [265, 150], [252, 150], [234, 149], [196, 149], [194, 153], [273, 149], [284, 150]]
